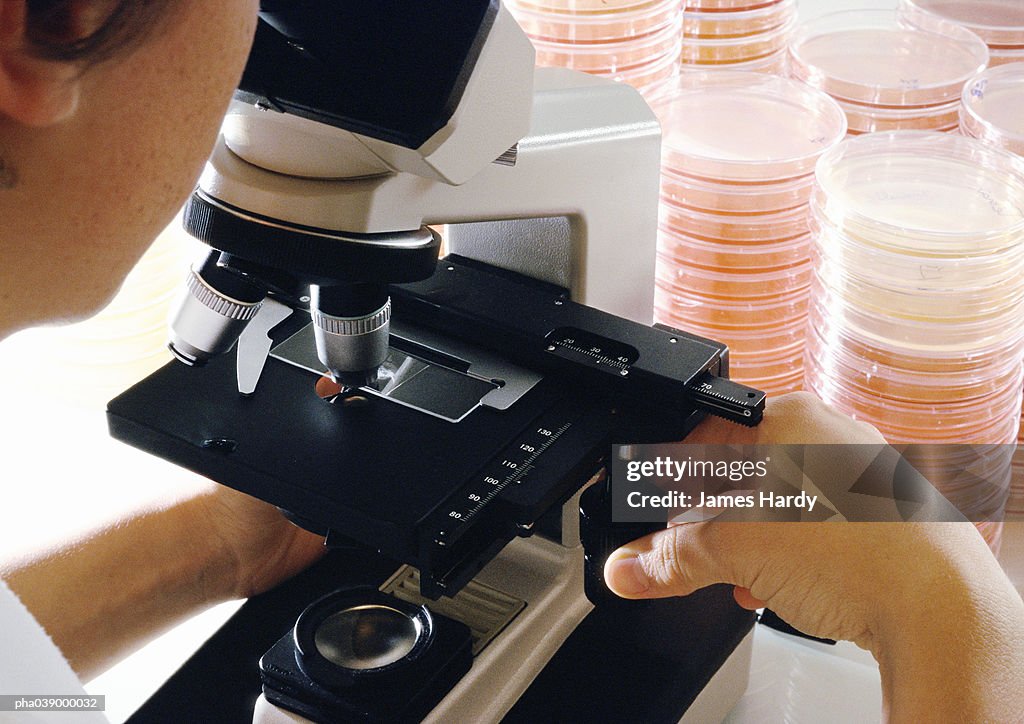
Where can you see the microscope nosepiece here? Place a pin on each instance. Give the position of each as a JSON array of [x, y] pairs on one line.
[[207, 322]]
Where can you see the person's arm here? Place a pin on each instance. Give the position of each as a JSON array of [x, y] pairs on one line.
[[104, 596], [927, 599]]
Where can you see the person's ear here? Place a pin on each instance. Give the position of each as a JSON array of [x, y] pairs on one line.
[[33, 91]]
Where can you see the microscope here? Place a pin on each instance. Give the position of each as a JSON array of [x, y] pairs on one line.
[[438, 419]]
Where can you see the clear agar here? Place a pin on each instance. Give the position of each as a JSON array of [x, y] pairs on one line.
[[928, 193]]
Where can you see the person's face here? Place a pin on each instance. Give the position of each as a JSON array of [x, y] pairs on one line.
[[95, 187]]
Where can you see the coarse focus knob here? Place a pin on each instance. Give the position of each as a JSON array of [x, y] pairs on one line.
[[600, 538]]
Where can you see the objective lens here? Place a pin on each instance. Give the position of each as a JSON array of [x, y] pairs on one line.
[[214, 309], [351, 324], [367, 637]]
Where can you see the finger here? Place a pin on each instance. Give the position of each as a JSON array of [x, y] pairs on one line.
[[671, 562], [745, 599]]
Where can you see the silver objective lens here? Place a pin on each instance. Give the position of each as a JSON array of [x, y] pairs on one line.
[[206, 322], [352, 348]]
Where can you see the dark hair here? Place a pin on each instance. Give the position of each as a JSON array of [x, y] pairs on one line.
[[56, 29]]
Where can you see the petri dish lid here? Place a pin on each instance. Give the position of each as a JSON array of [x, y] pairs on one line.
[[745, 127], [993, 107], [875, 56], [997, 22], [923, 192]]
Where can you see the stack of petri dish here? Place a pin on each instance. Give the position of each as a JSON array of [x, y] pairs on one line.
[[742, 35], [1000, 23], [738, 156], [916, 321], [887, 72], [633, 41], [993, 111]]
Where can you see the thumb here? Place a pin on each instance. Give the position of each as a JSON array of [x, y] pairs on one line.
[[672, 562]]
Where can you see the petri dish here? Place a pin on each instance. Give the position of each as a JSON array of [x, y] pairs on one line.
[[1004, 57], [922, 192], [650, 76], [774, 64], [772, 374], [934, 338], [993, 107], [691, 192], [745, 127], [748, 317], [894, 381], [873, 56], [738, 23], [975, 422], [997, 22], [730, 284], [753, 229], [873, 119], [726, 5], [967, 366], [786, 347], [841, 290], [712, 255], [590, 8], [988, 277], [594, 27], [728, 50], [610, 56], [976, 413]]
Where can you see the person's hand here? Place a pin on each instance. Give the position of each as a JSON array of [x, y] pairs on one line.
[[263, 546], [842, 581], [927, 599]]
